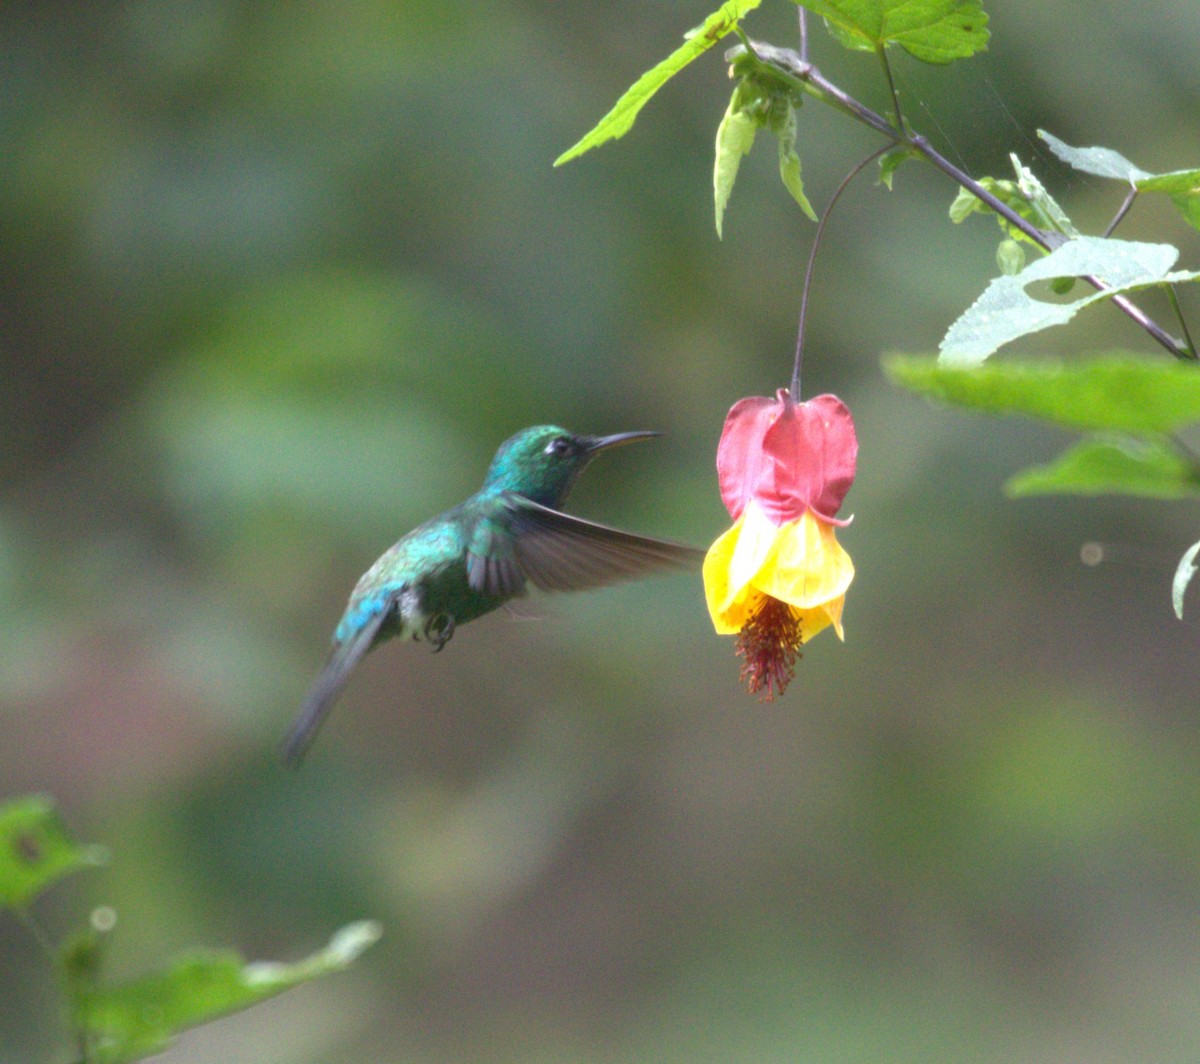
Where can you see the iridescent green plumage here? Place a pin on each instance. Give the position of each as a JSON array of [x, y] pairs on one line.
[[471, 559]]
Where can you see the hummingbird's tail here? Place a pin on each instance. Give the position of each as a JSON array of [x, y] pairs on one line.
[[326, 689]]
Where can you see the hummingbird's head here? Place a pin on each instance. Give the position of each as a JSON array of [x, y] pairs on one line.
[[542, 462]]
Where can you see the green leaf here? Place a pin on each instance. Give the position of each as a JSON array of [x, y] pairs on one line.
[[735, 137], [134, 1019], [1112, 466], [1006, 311], [1042, 202], [890, 162], [789, 171], [1100, 162], [620, 119], [1183, 186], [934, 31], [1116, 392], [1010, 257], [1183, 577], [789, 161], [1007, 192], [966, 203], [755, 103], [1026, 196], [36, 851]]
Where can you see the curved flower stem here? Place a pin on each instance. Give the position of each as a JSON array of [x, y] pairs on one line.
[[812, 258], [802, 75]]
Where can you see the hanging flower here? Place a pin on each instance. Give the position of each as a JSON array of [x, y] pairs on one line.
[[779, 576]]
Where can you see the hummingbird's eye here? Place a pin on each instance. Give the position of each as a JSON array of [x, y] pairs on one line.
[[558, 445]]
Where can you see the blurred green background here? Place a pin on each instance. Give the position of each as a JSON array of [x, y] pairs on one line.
[[276, 279]]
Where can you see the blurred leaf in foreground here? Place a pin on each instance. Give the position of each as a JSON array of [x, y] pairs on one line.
[[134, 1019], [1112, 466], [1117, 392], [36, 851]]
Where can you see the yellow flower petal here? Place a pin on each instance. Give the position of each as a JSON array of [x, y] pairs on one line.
[[818, 619], [833, 611], [808, 567], [729, 603], [800, 563], [756, 543]]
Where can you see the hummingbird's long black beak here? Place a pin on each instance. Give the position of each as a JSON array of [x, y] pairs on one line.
[[599, 443]]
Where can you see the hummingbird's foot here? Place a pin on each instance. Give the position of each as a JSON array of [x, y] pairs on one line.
[[438, 630]]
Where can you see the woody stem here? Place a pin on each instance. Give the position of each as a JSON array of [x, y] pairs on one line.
[[802, 75]]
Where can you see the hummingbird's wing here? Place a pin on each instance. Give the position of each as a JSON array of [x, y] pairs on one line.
[[492, 564], [327, 686], [558, 552]]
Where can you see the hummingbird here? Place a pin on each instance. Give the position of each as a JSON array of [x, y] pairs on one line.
[[477, 556]]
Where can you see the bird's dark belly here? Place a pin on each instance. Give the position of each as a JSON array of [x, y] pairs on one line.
[[431, 606]]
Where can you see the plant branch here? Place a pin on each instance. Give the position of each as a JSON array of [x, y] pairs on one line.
[[1123, 210], [1173, 296], [787, 65], [37, 934]]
